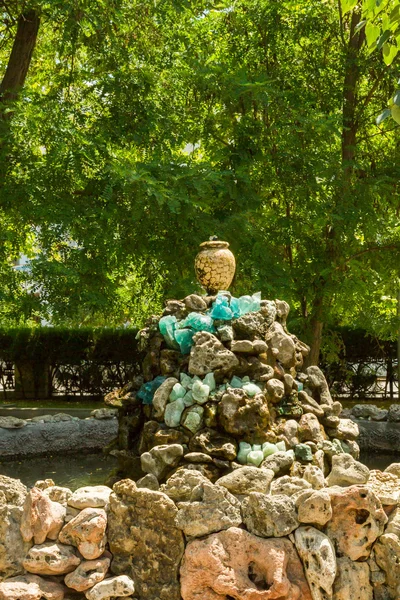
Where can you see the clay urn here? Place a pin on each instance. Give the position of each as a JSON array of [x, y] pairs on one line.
[[215, 265]]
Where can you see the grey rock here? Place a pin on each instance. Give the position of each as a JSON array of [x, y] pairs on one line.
[[145, 543], [279, 340], [250, 326], [243, 416], [279, 463], [316, 381], [394, 468], [309, 429], [195, 303], [275, 390], [161, 459], [210, 509], [269, 516], [318, 557], [394, 413], [161, 397], [149, 481], [387, 556], [245, 346], [180, 485], [369, 411], [247, 479], [12, 423], [209, 354], [309, 405], [345, 430], [104, 413], [214, 443], [288, 486], [347, 471]]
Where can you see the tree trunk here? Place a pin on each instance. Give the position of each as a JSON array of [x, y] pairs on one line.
[[316, 327], [20, 59]]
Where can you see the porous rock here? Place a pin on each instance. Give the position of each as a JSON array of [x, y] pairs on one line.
[[318, 556], [314, 476], [161, 459], [115, 587], [394, 468], [288, 486], [180, 485], [12, 546], [144, 540], [243, 416], [393, 525], [51, 558], [161, 396], [214, 443], [269, 516], [57, 493], [283, 343], [88, 573], [149, 481], [211, 508], [209, 354], [95, 496], [315, 509], [352, 580], [87, 531], [386, 486], [42, 518], [345, 430], [309, 429], [236, 564], [387, 556], [279, 462], [347, 471], [317, 383], [30, 587], [358, 519], [247, 479]]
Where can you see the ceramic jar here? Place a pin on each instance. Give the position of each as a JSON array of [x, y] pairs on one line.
[[215, 266]]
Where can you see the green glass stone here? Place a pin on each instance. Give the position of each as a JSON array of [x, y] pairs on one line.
[[178, 391], [244, 449], [251, 389], [255, 457], [184, 338], [236, 382], [193, 419], [200, 392], [281, 446], [186, 380], [173, 413], [188, 398], [148, 389], [303, 452], [256, 447], [167, 326], [235, 307], [209, 380], [220, 309], [269, 449]]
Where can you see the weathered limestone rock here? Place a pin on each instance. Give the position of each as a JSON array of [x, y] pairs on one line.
[[42, 518], [144, 540], [115, 587], [315, 509], [288, 486], [30, 587], [309, 429], [57, 493], [279, 340], [51, 559], [386, 486], [161, 396], [12, 546], [149, 481], [357, 520], [88, 574], [369, 411], [347, 471], [393, 525], [196, 303], [213, 443], [237, 564], [96, 496], [12, 423], [309, 405], [394, 468], [157, 434], [317, 383], [279, 463], [318, 556], [275, 390], [181, 484], [87, 531], [314, 476], [161, 459], [352, 581], [250, 326], [243, 416], [246, 480], [387, 556], [394, 413], [345, 430], [211, 508], [289, 429], [269, 516], [209, 354]]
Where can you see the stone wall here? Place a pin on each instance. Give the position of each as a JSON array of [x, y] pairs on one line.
[[254, 534]]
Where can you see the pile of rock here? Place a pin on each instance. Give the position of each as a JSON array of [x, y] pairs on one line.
[[223, 385], [54, 543], [374, 413]]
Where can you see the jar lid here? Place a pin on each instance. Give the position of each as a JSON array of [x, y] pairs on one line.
[[215, 244]]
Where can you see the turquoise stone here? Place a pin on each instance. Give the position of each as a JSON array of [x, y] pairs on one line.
[[269, 449], [236, 382], [200, 392], [281, 446], [255, 457], [220, 309], [148, 389], [256, 447], [193, 419], [209, 380], [173, 413], [256, 301], [167, 326], [198, 322], [186, 380], [245, 304], [244, 449], [235, 307], [178, 391], [246, 379], [251, 389], [300, 386], [184, 337], [303, 452]]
